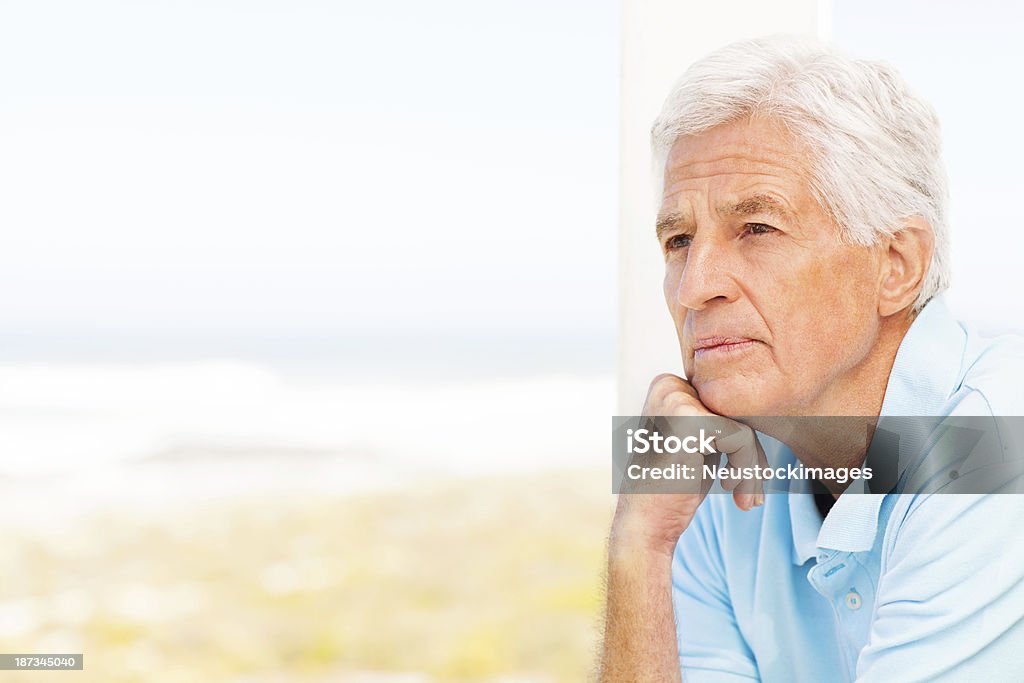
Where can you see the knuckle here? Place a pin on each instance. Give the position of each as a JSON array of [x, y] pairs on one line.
[[662, 379], [692, 459]]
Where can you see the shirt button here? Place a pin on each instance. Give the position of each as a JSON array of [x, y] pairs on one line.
[[853, 600]]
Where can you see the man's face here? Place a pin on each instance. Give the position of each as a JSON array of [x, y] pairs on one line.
[[775, 315]]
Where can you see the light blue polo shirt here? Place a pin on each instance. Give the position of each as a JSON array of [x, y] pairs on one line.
[[896, 587]]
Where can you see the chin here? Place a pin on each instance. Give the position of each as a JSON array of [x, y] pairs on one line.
[[733, 398]]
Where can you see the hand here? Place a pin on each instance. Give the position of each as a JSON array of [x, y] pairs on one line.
[[657, 520]]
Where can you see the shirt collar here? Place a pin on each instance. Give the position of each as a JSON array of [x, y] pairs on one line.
[[927, 368], [805, 521], [852, 523], [924, 375]]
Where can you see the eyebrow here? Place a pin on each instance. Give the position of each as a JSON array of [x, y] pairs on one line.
[[752, 205], [669, 222]]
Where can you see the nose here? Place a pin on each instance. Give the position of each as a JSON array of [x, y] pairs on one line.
[[707, 275]]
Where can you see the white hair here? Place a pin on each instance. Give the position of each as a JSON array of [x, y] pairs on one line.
[[875, 145]]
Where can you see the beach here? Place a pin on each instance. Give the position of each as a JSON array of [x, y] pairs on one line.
[[235, 531]]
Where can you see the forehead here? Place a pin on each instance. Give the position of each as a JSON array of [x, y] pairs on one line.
[[747, 155]]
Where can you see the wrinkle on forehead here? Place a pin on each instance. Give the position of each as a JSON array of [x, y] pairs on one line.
[[742, 168], [756, 142]]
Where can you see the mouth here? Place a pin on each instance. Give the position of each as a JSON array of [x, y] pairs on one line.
[[712, 347]]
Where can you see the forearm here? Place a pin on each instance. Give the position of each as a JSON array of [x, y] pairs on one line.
[[640, 630]]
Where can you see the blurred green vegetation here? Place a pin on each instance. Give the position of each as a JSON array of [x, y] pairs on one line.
[[495, 579]]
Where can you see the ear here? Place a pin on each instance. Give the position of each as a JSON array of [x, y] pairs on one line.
[[905, 263]]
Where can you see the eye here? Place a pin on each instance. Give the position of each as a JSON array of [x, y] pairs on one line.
[[677, 242], [759, 229]]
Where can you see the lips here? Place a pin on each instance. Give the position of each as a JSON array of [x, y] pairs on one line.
[[721, 345]]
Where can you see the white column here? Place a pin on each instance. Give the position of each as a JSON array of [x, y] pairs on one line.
[[660, 38]]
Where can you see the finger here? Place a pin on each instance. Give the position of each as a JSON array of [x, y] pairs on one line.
[[733, 436], [743, 450], [665, 385], [756, 485], [747, 487], [660, 387], [711, 460], [763, 460], [730, 483]]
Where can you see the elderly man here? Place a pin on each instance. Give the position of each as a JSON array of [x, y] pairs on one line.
[[804, 230]]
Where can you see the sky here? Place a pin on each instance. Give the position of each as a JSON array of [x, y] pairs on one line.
[[229, 177], [392, 179]]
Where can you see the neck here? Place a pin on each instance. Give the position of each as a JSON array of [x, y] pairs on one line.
[[837, 430]]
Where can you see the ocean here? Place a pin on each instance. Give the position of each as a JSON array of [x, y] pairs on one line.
[[145, 435]]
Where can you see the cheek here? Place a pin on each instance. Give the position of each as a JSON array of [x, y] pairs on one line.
[[820, 307], [852, 293], [835, 317]]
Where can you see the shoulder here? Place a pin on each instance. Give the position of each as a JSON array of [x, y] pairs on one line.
[[937, 541], [949, 589], [992, 375]]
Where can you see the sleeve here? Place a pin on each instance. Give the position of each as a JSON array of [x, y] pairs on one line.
[[711, 647], [950, 600]]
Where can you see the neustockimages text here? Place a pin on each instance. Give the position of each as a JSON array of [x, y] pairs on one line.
[[644, 441]]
